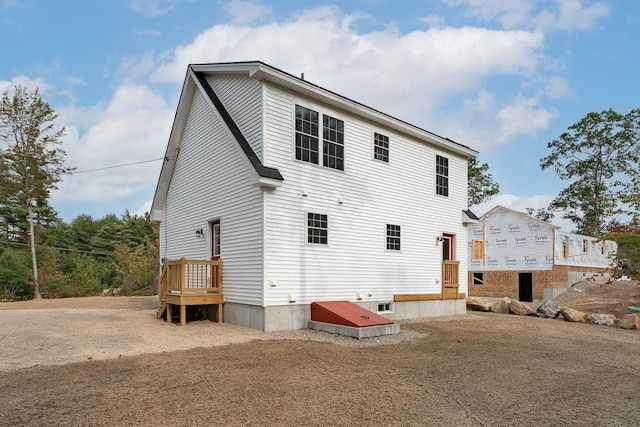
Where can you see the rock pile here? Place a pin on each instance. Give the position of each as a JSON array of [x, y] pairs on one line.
[[550, 309]]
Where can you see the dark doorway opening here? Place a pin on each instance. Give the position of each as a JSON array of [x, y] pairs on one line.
[[525, 287]]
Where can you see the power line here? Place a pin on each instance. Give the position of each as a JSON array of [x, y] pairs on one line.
[[8, 242], [116, 166]]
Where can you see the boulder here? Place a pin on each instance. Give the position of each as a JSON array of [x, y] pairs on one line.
[[478, 304], [601, 319], [501, 306], [521, 309], [548, 309], [572, 315], [630, 321]]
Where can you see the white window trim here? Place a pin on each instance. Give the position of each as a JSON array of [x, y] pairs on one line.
[[373, 147], [385, 303], [436, 175], [306, 229], [395, 251]]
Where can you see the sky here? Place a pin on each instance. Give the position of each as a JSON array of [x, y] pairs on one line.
[[502, 77]]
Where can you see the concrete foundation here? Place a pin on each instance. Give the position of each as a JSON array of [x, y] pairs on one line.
[[359, 333], [297, 316]]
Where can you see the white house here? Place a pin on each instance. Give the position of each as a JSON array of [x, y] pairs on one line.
[[515, 255], [307, 196]]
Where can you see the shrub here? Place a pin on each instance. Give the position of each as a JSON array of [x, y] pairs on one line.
[[15, 276]]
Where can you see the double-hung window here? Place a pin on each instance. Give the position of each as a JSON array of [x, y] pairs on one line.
[[381, 147], [308, 148], [317, 228], [332, 142], [442, 176], [393, 237]]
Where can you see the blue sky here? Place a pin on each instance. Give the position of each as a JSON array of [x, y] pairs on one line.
[[502, 77]]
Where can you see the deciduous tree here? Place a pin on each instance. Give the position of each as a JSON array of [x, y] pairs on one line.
[[591, 156], [481, 184]]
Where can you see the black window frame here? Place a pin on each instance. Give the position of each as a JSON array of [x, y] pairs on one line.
[[442, 176], [307, 135], [332, 142], [317, 228], [380, 147], [393, 237]]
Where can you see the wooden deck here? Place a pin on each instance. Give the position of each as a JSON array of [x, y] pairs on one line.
[[190, 283]]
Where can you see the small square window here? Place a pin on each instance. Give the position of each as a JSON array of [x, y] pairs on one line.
[[478, 278], [393, 237], [381, 147], [317, 229]]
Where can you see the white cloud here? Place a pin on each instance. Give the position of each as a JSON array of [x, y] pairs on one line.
[[143, 209], [26, 82], [523, 117], [153, 8], [152, 33], [434, 21], [406, 75], [572, 15], [562, 15], [510, 14], [134, 126], [246, 12], [482, 123]]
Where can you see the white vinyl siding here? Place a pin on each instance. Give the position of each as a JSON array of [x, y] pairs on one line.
[[212, 181], [242, 97], [359, 203]]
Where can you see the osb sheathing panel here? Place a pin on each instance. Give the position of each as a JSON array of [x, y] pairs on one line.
[[505, 284], [561, 273]]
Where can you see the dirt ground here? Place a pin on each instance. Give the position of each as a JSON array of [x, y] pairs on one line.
[[599, 297], [107, 361]]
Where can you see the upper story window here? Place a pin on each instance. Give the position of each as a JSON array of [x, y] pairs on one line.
[[308, 148], [442, 176], [381, 147], [393, 237], [332, 143], [317, 228], [307, 123]]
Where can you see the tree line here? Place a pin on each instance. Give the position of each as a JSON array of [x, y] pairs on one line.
[[40, 255]]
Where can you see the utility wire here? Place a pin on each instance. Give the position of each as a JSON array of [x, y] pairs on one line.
[[116, 166]]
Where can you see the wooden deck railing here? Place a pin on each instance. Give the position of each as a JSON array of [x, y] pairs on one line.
[[450, 279], [189, 282]]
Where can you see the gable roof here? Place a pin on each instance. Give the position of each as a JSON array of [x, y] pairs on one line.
[[195, 80], [262, 170], [529, 217]]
